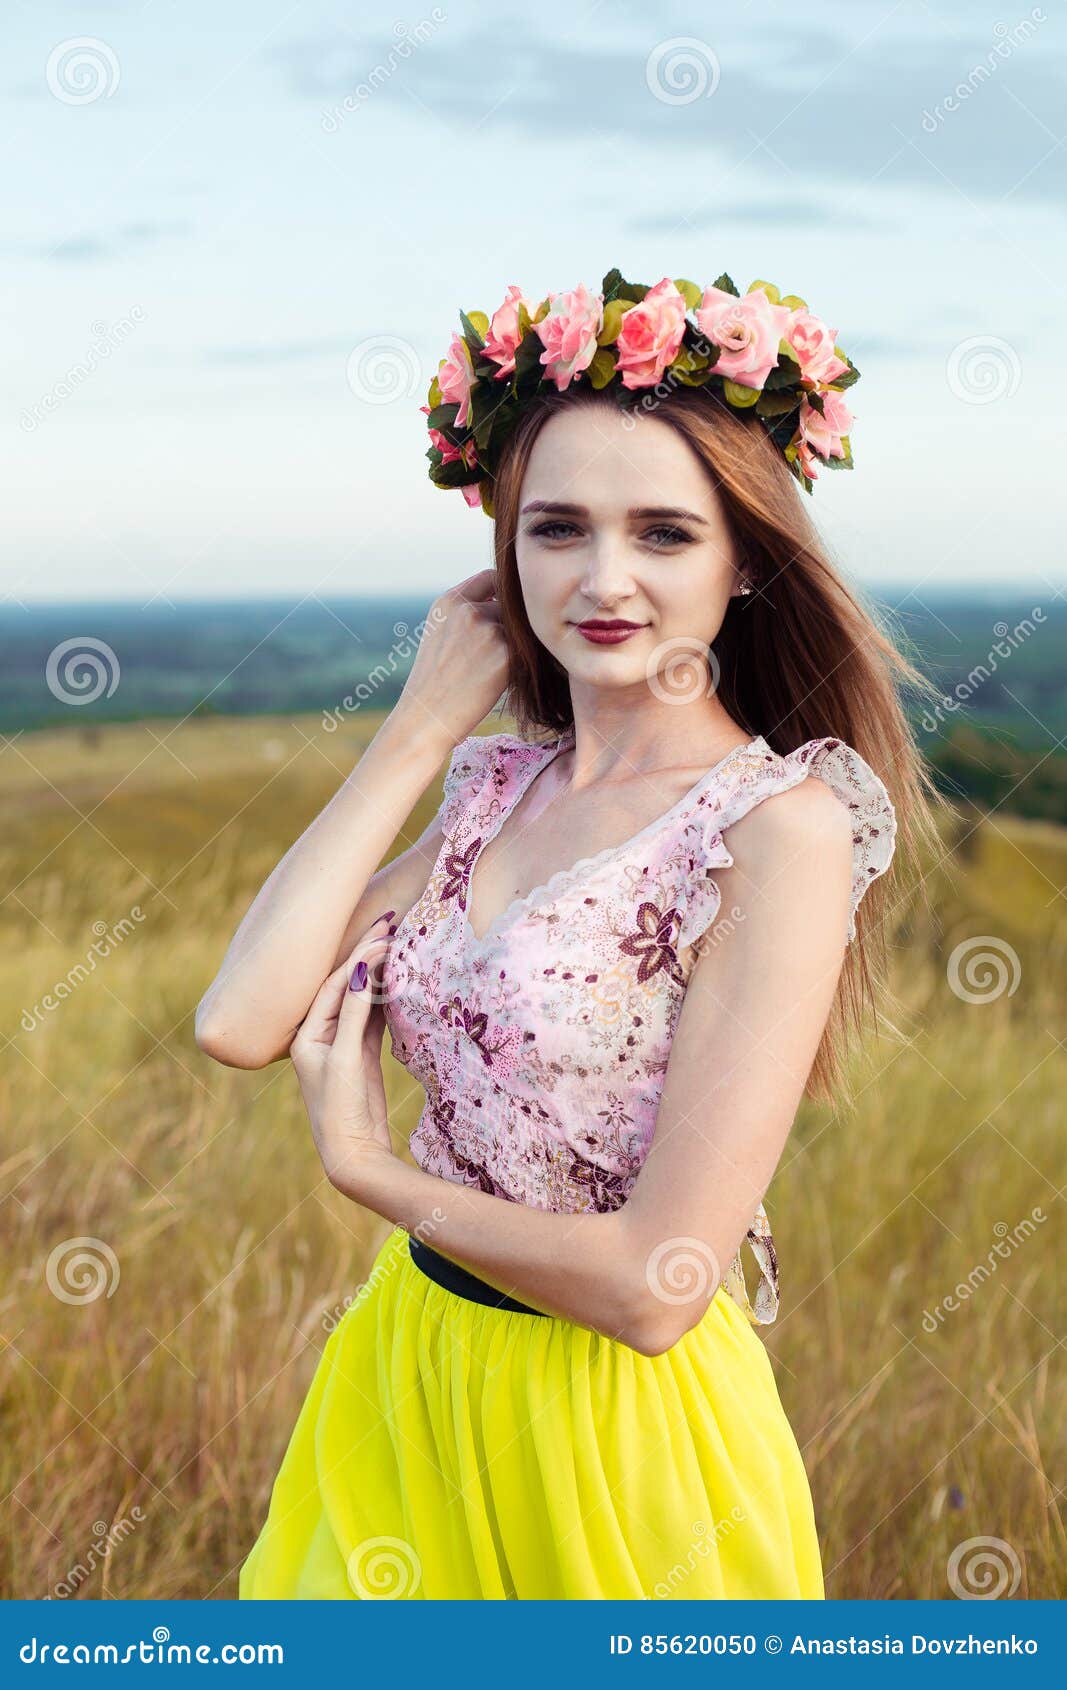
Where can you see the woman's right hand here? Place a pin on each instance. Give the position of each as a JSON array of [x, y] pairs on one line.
[[461, 666]]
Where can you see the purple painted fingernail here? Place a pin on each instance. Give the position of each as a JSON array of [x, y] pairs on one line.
[[386, 916], [392, 927], [359, 977]]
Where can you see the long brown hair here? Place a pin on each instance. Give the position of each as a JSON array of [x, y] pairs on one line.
[[800, 658]]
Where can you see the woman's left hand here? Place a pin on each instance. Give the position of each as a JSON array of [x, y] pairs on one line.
[[337, 1055]]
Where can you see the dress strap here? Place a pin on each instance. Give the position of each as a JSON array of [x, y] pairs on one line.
[[761, 1243]]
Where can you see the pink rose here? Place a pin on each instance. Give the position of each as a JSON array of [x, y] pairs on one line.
[[650, 335], [473, 494], [502, 341], [568, 334], [813, 344], [450, 453], [747, 330], [455, 378], [822, 434]]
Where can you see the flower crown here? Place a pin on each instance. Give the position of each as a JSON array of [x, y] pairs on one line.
[[766, 354]]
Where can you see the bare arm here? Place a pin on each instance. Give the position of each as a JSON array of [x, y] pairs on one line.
[[328, 886], [750, 1025]]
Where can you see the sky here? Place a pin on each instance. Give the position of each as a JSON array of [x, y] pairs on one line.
[[237, 238]]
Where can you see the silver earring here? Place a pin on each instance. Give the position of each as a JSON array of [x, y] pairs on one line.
[[744, 586]]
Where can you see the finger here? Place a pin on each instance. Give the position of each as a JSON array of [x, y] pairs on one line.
[[358, 1003], [478, 587], [320, 1020]]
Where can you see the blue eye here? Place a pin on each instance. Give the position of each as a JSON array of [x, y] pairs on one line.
[[546, 528], [675, 536]]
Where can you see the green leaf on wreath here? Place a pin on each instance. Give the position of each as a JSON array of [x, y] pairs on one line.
[[474, 334], [602, 367], [725, 285], [693, 295], [615, 286], [444, 418], [528, 354], [850, 376], [770, 404], [742, 397], [614, 312], [769, 289]]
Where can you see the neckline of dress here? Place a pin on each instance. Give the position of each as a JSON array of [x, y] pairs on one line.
[[546, 891]]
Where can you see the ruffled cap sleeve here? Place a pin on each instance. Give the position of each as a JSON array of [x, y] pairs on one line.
[[757, 774]]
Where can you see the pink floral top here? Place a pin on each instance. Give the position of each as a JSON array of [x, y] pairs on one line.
[[542, 1047]]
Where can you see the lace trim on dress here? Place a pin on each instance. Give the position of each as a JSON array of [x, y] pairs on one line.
[[759, 775]]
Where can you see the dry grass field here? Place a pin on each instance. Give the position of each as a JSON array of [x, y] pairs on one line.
[[149, 1378]]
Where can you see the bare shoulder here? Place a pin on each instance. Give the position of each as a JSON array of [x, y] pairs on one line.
[[805, 819]]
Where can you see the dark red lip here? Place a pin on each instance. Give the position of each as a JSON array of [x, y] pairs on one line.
[[596, 622]]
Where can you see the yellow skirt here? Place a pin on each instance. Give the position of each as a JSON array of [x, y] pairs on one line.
[[447, 1449]]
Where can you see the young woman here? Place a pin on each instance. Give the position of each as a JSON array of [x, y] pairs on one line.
[[615, 962]]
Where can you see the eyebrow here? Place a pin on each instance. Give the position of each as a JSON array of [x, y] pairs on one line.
[[637, 512]]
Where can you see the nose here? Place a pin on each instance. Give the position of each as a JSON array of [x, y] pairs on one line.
[[606, 579]]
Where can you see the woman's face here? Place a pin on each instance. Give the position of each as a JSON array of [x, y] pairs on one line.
[[618, 521]]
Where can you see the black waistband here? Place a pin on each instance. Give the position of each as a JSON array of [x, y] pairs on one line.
[[455, 1278]]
